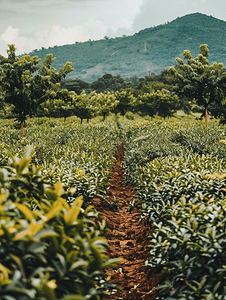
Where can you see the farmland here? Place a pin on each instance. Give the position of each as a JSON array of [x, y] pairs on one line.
[[113, 194], [179, 174], [169, 178]]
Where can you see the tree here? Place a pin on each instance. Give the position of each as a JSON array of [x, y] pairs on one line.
[[145, 104], [126, 100], [85, 106], [26, 84], [166, 103], [196, 79], [219, 111], [56, 108], [105, 103], [158, 102]]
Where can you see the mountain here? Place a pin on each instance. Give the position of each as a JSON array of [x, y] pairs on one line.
[[152, 49]]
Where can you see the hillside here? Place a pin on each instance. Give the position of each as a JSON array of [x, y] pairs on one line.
[[152, 49]]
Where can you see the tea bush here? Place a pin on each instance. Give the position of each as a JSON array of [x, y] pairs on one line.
[[161, 183], [63, 149], [174, 169], [49, 248], [200, 140], [189, 242], [153, 140]]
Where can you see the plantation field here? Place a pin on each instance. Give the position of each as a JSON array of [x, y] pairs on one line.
[[53, 246], [178, 170]]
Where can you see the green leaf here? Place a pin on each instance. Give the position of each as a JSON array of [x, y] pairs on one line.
[[47, 290], [28, 152], [74, 297], [78, 264], [25, 211], [44, 233], [191, 286], [216, 287], [97, 255], [58, 187], [73, 212], [201, 284]]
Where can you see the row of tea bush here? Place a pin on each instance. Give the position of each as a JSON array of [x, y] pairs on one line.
[[179, 172], [52, 243]]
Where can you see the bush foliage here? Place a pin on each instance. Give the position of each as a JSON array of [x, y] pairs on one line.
[[179, 173], [52, 243]]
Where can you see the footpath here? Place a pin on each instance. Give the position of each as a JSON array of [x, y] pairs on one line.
[[127, 240]]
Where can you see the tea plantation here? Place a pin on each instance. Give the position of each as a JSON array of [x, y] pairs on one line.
[[179, 173], [52, 244]]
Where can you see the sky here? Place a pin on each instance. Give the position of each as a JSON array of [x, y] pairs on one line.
[[33, 24]]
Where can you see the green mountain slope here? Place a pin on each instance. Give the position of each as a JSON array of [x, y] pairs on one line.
[[152, 49]]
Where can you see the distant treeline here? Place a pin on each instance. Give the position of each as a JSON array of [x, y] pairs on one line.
[[110, 83]]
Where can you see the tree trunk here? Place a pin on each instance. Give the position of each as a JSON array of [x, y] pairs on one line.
[[206, 117], [21, 129]]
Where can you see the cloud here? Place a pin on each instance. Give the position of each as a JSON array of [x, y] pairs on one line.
[[53, 1], [11, 36], [61, 36], [5, 11], [15, 1], [152, 12], [55, 36], [123, 27]]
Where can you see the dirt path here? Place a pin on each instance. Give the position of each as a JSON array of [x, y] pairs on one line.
[[127, 240]]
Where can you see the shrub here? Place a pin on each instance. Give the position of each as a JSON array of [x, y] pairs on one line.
[[129, 115], [189, 244], [49, 248]]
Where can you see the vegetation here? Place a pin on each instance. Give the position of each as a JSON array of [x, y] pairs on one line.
[[26, 84], [29, 89], [198, 81], [52, 243], [178, 169]]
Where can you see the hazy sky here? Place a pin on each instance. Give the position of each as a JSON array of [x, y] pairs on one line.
[[32, 24]]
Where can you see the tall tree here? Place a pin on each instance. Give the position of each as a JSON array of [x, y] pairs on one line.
[[197, 79], [126, 100], [26, 83], [85, 106], [105, 103], [158, 102], [166, 103]]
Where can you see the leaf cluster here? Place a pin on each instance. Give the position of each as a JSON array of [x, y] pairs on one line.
[[196, 79], [49, 249], [77, 155], [188, 243], [26, 84], [182, 196]]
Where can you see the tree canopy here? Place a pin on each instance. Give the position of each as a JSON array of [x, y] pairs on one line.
[[26, 83], [195, 79]]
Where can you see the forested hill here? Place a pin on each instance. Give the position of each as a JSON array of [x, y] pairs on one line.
[[153, 49]]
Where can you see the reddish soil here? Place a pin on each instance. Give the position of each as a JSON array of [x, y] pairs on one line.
[[127, 240]]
